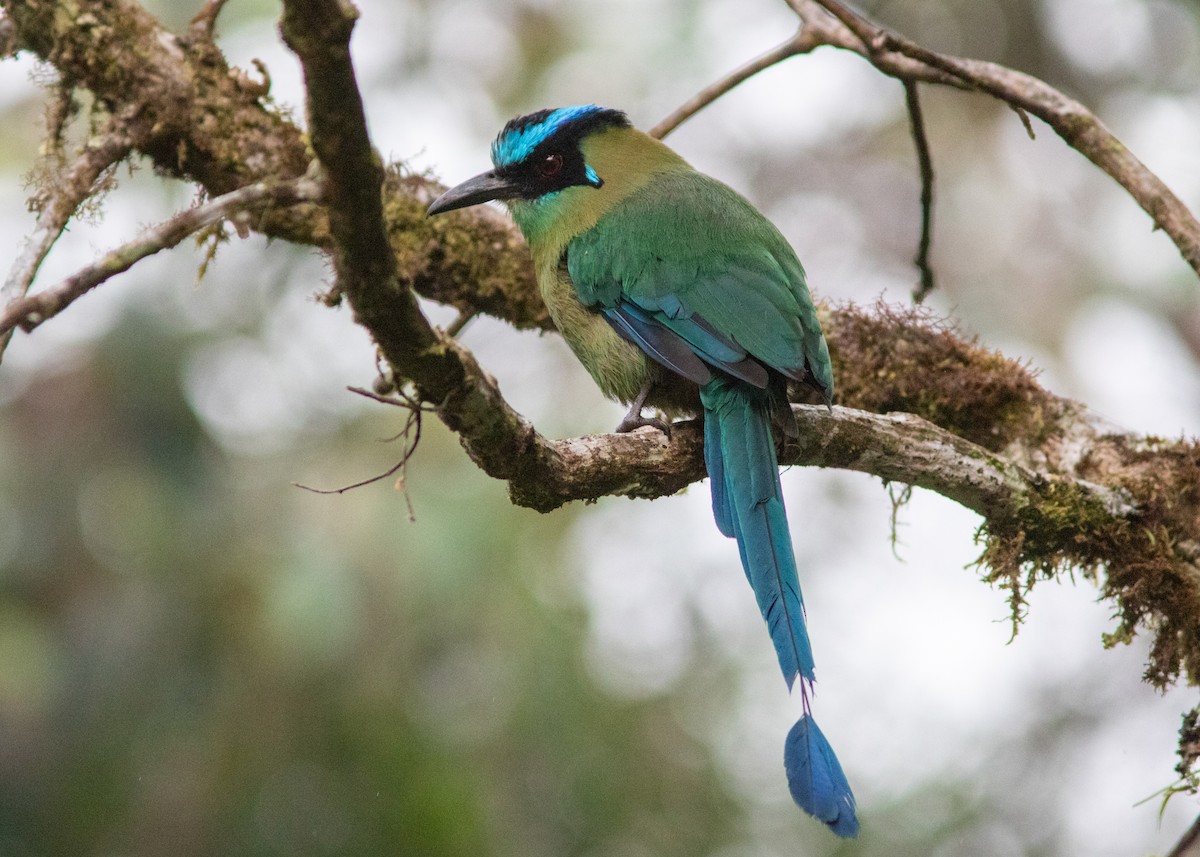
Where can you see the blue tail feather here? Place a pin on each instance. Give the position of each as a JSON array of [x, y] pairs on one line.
[[715, 464], [748, 505], [739, 453], [815, 778]]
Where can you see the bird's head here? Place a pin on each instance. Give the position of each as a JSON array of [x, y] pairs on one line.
[[535, 157]]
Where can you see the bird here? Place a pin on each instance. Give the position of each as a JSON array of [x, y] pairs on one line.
[[679, 296]]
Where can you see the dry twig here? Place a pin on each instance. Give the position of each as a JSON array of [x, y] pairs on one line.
[[63, 199], [412, 426], [30, 311], [925, 165]]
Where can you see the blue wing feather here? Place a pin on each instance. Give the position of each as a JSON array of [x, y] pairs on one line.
[[659, 343], [682, 343]]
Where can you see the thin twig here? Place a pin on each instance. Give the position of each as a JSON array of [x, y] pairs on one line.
[[69, 191], [802, 42], [411, 426], [30, 311], [401, 400], [1024, 117], [371, 481], [203, 25], [460, 323], [377, 397], [866, 32], [925, 163], [899, 499], [876, 40]]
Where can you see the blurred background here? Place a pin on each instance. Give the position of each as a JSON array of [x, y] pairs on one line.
[[197, 657]]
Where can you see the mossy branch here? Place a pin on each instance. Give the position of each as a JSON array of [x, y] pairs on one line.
[[70, 188], [28, 312]]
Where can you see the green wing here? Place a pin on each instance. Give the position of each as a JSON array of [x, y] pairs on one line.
[[689, 259]]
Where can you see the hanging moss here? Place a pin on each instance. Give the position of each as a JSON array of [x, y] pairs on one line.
[[1144, 563]]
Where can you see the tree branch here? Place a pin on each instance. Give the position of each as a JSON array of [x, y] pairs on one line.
[[897, 447], [1081, 129], [62, 199], [30, 311]]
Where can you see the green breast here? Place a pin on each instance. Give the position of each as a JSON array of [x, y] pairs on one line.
[[627, 161], [618, 367]]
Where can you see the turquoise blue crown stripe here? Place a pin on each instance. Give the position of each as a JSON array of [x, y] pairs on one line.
[[513, 147]]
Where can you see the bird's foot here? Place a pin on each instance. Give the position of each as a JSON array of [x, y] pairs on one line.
[[635, 420]]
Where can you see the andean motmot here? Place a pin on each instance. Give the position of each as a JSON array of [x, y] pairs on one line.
[[677, 294]]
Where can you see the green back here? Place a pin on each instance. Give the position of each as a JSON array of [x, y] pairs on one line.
[[686, 245]]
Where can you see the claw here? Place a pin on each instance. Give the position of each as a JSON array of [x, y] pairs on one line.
[[634, 419]]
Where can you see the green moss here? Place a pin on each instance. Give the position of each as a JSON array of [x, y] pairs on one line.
[[471, 260], [907, 359], [1189, 745]]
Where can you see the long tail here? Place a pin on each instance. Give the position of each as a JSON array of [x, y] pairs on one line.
[[748, 505], [739, 452]]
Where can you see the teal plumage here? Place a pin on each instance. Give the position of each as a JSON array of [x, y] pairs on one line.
[[692, 248], [675, 292], [739, 453]]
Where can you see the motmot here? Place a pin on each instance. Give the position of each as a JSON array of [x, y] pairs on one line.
[[677, 295]]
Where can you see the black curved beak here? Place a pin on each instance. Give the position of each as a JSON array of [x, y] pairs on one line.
[[483, 188]]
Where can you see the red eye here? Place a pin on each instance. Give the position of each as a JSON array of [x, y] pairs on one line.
[[550, 166]]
